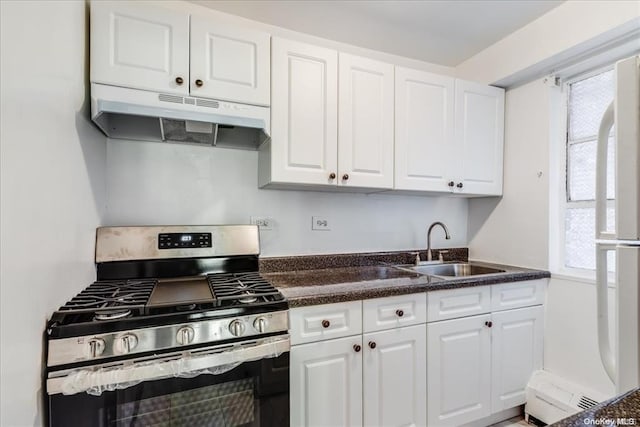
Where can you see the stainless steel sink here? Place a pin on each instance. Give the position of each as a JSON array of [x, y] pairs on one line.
[[455, 270]]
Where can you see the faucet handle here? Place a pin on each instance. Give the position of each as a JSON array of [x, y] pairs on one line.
[[417, 257], [440, 257]]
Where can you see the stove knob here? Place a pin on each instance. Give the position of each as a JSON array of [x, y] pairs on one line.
[[96, 347], [185, 335], [125, 343], [236, 328], [260, 325]]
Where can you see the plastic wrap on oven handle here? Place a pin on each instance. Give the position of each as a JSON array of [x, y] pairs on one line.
[[95, 381]]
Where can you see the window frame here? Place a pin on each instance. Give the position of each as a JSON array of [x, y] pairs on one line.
[[559, 182]]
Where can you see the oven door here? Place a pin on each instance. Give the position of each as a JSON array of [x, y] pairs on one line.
[[245, 384]]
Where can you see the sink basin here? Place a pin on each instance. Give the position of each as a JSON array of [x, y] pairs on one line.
[[455, 270]]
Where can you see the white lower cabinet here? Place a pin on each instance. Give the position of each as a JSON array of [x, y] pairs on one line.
[[394, 370], [326, 383], [375, 379], [480, 365], [395, 377], [458, 370], [516, 345]]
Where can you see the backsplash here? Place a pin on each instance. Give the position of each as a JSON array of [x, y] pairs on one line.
[[151, 183], [315, 262]]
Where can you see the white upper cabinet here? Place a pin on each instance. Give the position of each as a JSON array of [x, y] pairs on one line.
[[229, 62], [135, 45], [304, 114], [424, 137], [448, 134], [365, 122], [479, 126], [143, 45]]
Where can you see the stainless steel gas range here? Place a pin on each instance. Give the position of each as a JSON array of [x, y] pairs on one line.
[[179, 329]]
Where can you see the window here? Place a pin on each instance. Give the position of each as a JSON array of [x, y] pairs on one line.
[[587, 99]]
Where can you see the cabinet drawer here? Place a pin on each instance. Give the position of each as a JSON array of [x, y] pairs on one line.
[[394, 312], [519, 294], [452, 303], [323, 322]]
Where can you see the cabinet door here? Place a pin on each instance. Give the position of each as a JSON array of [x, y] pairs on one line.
[[365, 145], [232, 63], [395, 377], [140, 46], [326, 383], [304, 129], [458, 370], [516, 353], [424, 142], [479, 123]]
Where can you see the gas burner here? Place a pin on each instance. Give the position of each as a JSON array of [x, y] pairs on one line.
[[242, 288], [107, 300], [112, 315], [248, 300]]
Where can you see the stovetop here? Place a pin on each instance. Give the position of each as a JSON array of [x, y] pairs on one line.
[[107, 306], [162, 288]]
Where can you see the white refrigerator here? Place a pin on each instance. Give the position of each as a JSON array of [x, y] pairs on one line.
[[620, 354]]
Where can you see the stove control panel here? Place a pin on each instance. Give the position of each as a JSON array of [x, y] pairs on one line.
[[184, 240], [172, 336]]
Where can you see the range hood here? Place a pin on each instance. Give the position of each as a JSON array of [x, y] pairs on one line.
[[124, 113]]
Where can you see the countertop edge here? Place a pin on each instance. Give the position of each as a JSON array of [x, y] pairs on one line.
[[343, 292]]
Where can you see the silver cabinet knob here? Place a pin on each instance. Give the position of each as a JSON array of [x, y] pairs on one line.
[[236, 328], [185, 335], [96, 347], [260, 325], [125, 343]]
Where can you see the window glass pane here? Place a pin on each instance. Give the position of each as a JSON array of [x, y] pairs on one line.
[[582, 170], [611, 261], [580, 238], [587, 101]]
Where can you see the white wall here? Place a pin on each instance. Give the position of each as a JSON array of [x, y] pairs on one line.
[[514, 229], [570, 339], [570, 28], [52, 188], [156, 183], [152, 183], [307, 38]]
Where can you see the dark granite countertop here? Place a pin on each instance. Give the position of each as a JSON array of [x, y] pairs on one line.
[[622, 410], [339, 282]]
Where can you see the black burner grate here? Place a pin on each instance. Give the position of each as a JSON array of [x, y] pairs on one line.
[[105, 297], [242, 289]]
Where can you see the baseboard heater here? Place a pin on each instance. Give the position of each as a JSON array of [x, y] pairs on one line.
[[551, 398]]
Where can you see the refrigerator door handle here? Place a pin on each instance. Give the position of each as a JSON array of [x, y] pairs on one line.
[[602, 309], [601, 174]]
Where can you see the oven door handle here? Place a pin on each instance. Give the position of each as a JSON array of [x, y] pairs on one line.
[[213, 360]]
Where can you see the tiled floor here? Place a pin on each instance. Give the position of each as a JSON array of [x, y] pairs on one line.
[[512, 422]]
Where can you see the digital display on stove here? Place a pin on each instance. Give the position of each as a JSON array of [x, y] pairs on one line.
[[184, 240]]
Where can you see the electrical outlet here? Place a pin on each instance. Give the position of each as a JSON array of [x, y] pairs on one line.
[[263, 222], [320, 223]]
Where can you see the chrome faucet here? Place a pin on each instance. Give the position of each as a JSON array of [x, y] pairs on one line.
[[446, 236]]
